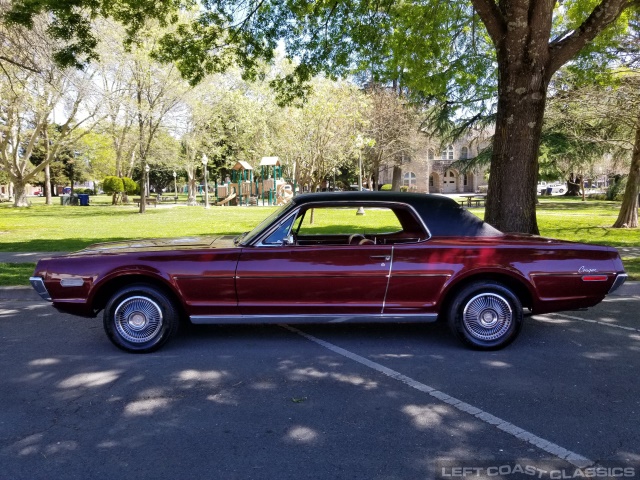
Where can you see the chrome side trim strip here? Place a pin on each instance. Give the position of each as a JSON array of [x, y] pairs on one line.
[[38, 285], [299, 319]]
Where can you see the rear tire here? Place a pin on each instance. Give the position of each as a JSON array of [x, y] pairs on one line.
[[140, 318], [486, 315]]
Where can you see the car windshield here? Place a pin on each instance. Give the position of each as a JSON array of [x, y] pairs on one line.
[[247, 238]]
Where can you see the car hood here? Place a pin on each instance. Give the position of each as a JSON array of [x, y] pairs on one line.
[[158, 244]]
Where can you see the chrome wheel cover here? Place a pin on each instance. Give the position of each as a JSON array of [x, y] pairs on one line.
[[487, 316], [138, 319]]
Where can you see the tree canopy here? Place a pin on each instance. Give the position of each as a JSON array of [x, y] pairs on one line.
[[490, 60]]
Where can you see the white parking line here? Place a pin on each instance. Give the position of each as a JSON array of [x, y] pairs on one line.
[[573, 458], [586, 320]]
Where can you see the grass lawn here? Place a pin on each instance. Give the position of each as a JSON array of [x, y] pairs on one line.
[[69, 228], [12, 274]]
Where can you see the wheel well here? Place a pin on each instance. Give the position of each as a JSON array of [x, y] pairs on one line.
[[519, 289], [106, 291]]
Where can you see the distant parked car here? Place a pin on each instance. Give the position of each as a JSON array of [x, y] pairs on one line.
[[314, 260], [542, 187], [557, 189]]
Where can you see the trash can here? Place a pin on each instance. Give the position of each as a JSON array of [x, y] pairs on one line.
[[84, 199], [64, 200], [549, 190]]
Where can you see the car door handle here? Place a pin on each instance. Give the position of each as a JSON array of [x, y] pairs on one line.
[[381, 257]]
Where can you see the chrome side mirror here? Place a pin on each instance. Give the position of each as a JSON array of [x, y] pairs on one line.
[[288, 240]]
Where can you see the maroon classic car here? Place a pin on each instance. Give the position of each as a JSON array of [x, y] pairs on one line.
[[409, 258]]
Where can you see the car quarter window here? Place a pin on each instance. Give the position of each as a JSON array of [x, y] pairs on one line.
[[282, 230]]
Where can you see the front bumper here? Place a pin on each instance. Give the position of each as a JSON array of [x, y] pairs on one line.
[[38, 285]]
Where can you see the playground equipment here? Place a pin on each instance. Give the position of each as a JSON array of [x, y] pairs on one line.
[[239, 188], [284, 193], [227, 199], [242, 188], [273, 187]]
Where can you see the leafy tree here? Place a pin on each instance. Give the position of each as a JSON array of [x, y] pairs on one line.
[[113, 186], [30, 96], [319, 137], [71, 22], [98, 150], [394, 126], [586, 122], [130, 186], [158, 91], [445, 51]]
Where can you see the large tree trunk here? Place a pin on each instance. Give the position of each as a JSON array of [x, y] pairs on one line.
[[192, 189], [628, 216], [396, 181], [527, 58], [513, 175], [19, 192], [47, 185], [574, 186]]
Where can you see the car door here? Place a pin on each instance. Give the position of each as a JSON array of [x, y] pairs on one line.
[[419, 275], [327, 277], [313, 280]]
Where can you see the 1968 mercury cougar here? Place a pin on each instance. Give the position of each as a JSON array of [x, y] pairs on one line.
[[315, 260]]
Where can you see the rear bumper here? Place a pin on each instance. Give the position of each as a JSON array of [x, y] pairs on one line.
[[620, 279], [38, 285]]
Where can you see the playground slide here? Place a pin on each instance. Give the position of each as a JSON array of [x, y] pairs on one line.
[[227, 199]]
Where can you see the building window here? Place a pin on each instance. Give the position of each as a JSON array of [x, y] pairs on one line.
[[431, 182], [464, 153], [447, 153], [409, 180]]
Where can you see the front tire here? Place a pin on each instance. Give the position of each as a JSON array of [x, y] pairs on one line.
[[486, 315], [140, 318]]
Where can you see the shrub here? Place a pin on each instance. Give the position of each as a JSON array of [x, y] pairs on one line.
[[386, 187], [616, 188], [404, 188], [112, 185], [130, 186]]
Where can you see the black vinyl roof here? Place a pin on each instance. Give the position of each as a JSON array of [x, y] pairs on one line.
[[443, 216]]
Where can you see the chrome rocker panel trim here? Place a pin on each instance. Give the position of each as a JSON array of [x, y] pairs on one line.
[[300, 319]]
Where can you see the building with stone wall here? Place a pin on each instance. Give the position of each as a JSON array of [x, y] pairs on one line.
[[432, 169]]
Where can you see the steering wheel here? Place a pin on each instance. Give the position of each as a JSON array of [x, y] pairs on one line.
[[355, 238]]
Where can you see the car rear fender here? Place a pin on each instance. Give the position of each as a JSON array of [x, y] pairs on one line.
[[512, 280]]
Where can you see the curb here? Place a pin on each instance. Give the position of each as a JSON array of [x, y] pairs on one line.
[[21, 294], [629, 289]]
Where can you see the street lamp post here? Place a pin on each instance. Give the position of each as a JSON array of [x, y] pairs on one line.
[[147, 183], [359, 145], [205, 160], [175, 187]]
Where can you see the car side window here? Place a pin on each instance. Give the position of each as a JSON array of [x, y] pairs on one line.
[[348, 221]]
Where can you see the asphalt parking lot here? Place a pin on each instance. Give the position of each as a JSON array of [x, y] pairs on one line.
[[321, 402]]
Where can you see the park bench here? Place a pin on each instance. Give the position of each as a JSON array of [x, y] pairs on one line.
[[165, 199], [148, 201]]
